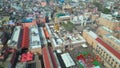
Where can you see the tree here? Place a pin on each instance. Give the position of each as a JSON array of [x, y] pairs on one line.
[[106, 11]]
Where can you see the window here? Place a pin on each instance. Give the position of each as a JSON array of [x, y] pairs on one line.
[[109, 57], [115, 65], [113, 60], [112, 63], [105, 55]]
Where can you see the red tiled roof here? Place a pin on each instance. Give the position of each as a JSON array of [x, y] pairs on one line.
[[109, 48], [25, 39], [26, 57], [46, 58], [53, 58]]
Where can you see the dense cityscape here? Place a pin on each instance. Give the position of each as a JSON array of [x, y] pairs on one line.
[[59, 33]]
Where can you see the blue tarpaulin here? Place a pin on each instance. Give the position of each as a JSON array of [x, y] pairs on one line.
[[11, 22], [62, 1], [26, 20]]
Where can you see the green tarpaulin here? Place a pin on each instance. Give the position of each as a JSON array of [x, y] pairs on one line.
[[60, 14], [96, 63]]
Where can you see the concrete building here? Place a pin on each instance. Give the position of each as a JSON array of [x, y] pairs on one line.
[[62, 18], [103, 30], [108, 21], [113, 41], [14, 42], [82, 19], [108, 55], [90, 36], [60, 40], [35, 44]]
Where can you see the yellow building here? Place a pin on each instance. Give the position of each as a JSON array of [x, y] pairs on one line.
[[103, 30], [107, 23], [106, 20], [90, 36], [113, 41], [109, 56]]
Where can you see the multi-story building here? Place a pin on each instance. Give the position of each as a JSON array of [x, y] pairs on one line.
[[113, 41], [105, 20], [108, 55], [90, 36], [108, 21], [104, 30]]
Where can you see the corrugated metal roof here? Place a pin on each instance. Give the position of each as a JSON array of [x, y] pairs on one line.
[[92, 34], [109, 48], [25, 38], [67, 60], [46, 58], [53, 58]]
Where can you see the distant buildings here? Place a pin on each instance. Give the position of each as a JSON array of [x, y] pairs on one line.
[[102, 30], [48, 2], [108, 21]]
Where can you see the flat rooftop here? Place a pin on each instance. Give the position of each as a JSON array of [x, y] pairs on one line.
[[113, 38], [67, 60], [92, 34], [64, 37], [105, 28]]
